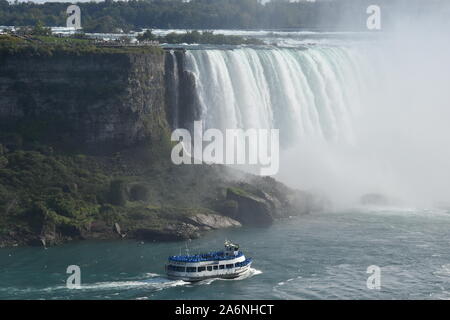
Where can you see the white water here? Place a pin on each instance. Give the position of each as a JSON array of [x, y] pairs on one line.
[[353, 119], [308, 93], [175, 91], [313, 96]]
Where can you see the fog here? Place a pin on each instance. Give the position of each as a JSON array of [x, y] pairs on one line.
[[401, 145]]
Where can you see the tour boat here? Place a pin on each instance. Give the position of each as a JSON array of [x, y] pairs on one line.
[[227, 264]]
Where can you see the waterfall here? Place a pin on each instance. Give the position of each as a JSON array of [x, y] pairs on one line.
[[176, 84], [305, 93], [354, 117], [318, 97], [173, 87]]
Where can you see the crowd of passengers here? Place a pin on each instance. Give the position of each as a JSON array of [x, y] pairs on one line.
[[219, 255]]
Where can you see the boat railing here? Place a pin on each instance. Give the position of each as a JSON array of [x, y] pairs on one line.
[[212, 256], [243, 263]]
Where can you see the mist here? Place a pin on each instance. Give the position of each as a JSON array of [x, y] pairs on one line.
[[401, 133]]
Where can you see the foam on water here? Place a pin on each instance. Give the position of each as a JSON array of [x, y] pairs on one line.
[[444, 271], [248, 274], [319, 256], [154, 282]]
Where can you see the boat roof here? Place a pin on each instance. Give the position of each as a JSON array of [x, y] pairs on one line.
[[210, 256]]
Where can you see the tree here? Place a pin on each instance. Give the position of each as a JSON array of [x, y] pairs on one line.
[[40, 30], [4, 4], [147, 36], [105, 24]]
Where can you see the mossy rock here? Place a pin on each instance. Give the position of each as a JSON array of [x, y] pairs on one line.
[[252, 210], [239, 191], [228, 208]]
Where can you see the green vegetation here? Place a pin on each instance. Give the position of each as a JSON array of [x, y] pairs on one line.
[[37, 188], [205, 37], [108, 16], [48, 45], [40, 30], [139, 192], [239, 191], [59, 197], [105, 24]]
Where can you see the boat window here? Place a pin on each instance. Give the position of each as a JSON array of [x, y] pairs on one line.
[[180, 269], [191, 269], [222, 266], [229, 266], [200, 269], [209, 268], [216, 267]]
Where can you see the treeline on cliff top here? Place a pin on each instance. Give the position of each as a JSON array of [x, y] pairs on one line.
[[206, 14], [194, 36], [40, 41]]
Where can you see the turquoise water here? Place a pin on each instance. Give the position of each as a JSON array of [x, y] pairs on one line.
[[320, 256]]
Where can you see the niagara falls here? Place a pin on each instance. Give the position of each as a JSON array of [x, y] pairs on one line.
[[146, 145]]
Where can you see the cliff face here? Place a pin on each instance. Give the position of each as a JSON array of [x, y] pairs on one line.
[[94, 101], [97, 102]]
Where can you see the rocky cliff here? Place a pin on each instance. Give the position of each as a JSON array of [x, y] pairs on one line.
[[95, 101], [85, 154]]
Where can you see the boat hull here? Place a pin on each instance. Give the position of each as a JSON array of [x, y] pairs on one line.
[[231, 275]]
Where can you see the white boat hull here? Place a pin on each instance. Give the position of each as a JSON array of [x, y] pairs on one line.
[[227, 264], [225, 275]]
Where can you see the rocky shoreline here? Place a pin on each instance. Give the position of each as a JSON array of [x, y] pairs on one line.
[[243, 205]]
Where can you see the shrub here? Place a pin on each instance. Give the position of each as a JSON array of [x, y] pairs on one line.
[[139, 192], [118, 194], [3, 162], [40, 30]]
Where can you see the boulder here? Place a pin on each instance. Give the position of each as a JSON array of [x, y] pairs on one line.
[[275, 205], [211, 221], [184, 227], [228, 208], [252, 210], [171, 232]]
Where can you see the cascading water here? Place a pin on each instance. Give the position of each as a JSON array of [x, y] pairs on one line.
[[173, 85], [304, 93], [312, 95], [354, 118], [176, 84]]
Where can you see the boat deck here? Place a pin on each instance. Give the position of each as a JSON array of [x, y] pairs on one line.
[[210, 256]]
